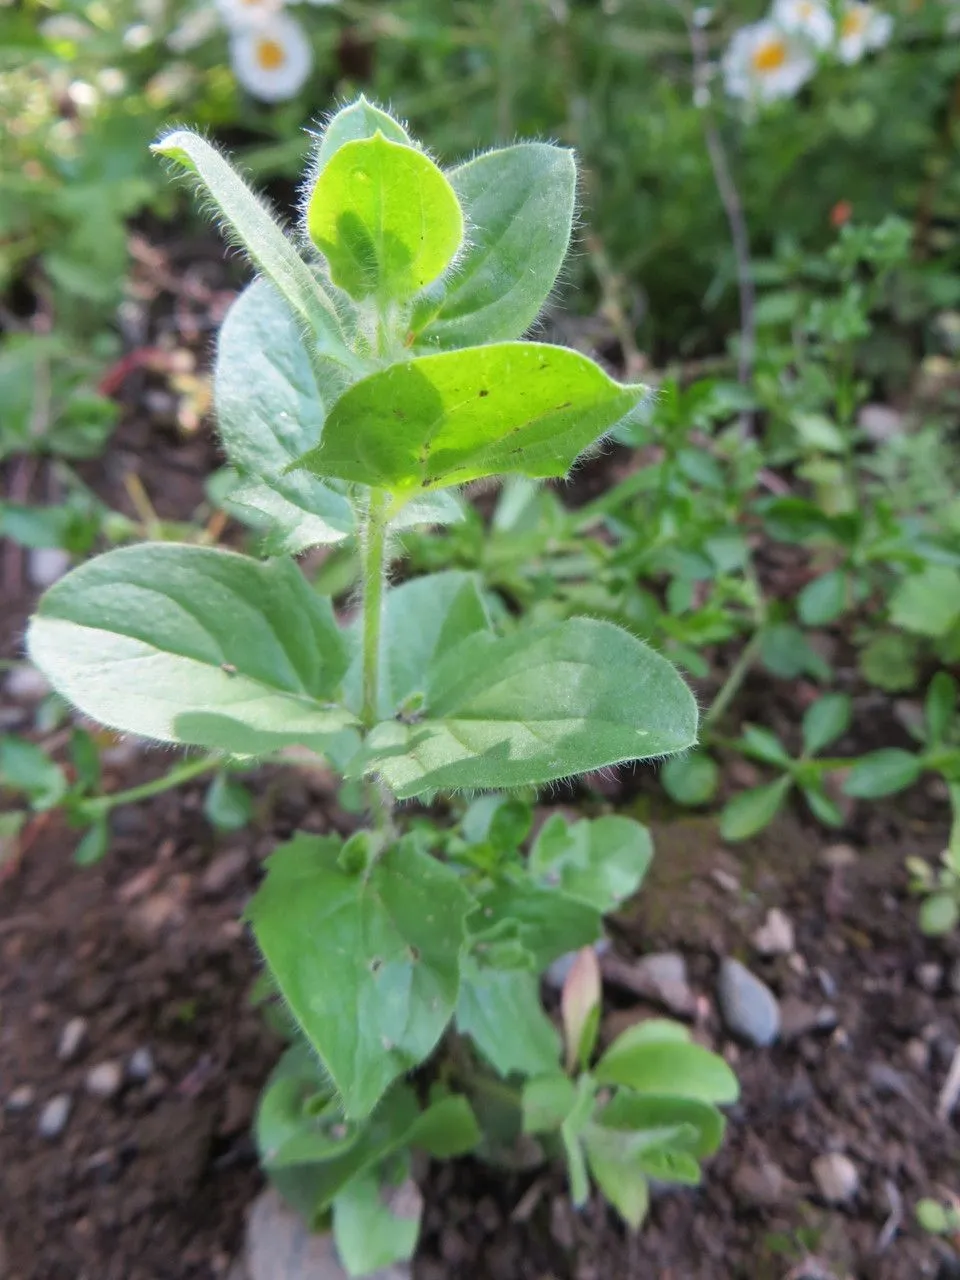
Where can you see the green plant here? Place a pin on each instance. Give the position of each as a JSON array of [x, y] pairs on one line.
[[375, 366]]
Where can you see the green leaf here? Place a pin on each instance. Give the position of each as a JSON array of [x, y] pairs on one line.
[[823, 600], [690, 779], [622, 1182], [825, 721], [670, 1068], [385, 218], [372, 1230], [227, 805], [571, 1131], [547, 1101], [882, 773], [889, 661], [751, 811], [361, 119], [376, 1224], [939, 914], [85, 758], [546, 923], [542, 703], [27, 769], [600, 861], [500, 1010], [369, 966], [422, 621], [787, 653], [940, 706], [271, 401], [685, 1124], [93, 847], [519, 204], [763, 745], [932, 1216], [446, 1129], [192, 645], [250, 218], [822, 806], [927, 603], [443, 420]]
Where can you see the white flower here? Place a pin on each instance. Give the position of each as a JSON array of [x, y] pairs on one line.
[[238, 14], [271, 60], [763, 62], [195, 29], [862, 27], [808, 18]]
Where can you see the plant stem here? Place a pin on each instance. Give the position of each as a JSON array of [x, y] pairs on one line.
[[731, 686], [374, 574], [176, 777], [374, 544]]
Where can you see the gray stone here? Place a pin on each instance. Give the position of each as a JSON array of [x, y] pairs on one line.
[[104, 1080], [279, 1246], [46, 564], [917, 1053], [26, 684], [749, 1007], [879, 422], [222, 871], [73, 1037], [140, 1065], [798, 1017], [54, 1116], [836, 1177], [663, 977], [775, 936], [21, 1098], [929, 976], [762, 1185]]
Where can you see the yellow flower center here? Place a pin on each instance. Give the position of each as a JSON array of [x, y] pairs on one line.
[[769, 56], [853, 23], [270, 55]]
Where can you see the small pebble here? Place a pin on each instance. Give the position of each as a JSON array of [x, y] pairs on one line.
[[54, 1116], [104, 1080], [46, 564], [663, 977], [761, 1186], [929, 976], [775, 937], [73, 1037], [26, 684], [798, 1017], [21, 1098], [836, 1177], [917, 1053], [836, 856], [223, 871], [140, 1065], [749, 1007]]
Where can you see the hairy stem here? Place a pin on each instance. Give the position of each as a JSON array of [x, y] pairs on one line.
[[182, 773], [374, 545], [374, 574], [736, 677]]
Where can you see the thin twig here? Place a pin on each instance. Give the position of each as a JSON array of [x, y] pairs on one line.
[[895, 1220], [732, 205]]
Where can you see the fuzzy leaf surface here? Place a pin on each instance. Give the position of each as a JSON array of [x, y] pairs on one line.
[[369, 965], [444, 420], [542, 703], [195, 646]]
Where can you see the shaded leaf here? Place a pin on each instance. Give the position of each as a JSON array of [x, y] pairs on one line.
[[500, 1010], [193, 645], [370, 966], [443, 420], [599, 861], [751, 811], [542, 703], [882, 773]]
